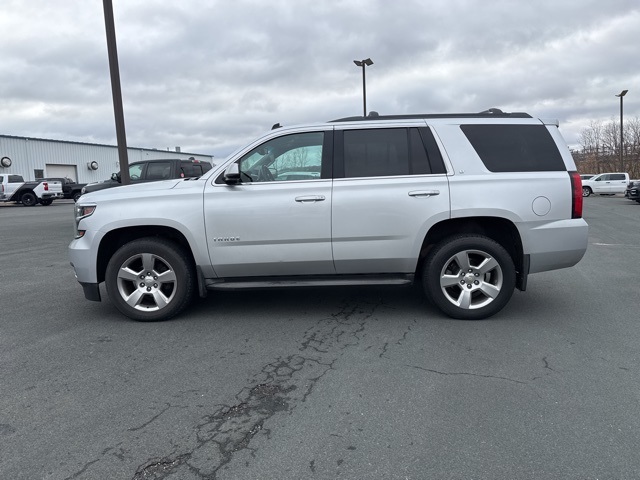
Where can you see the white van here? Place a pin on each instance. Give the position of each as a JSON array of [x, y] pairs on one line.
[[605, 184]]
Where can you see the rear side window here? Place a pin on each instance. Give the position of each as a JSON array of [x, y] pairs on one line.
[[191, 169], [617, 176], [515, 148], [389, 152], [159, 171]]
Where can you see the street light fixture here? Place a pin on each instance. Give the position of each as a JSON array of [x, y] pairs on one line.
[[621, 95], [364, 63]]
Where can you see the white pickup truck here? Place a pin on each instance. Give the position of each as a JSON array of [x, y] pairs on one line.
[[13, 188], [605, 184]]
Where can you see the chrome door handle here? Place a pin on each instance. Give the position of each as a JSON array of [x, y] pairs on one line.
[[310, 198], [424, 193]]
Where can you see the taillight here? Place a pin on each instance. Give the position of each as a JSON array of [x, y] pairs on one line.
[[576, 195], [46, 186]]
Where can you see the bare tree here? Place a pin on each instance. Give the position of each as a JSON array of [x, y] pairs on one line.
[[600, 143]]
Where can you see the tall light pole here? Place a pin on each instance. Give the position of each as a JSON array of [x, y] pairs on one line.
[[364, 63], [621, 95]]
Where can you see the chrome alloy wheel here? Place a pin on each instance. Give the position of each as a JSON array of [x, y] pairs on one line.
[[471, 279], [147, 282]]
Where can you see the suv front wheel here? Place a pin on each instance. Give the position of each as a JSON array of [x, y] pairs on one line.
[[586, 191], [469, 277], [150, 279]]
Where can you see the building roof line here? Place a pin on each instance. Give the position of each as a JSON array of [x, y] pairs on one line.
[[99, 145]]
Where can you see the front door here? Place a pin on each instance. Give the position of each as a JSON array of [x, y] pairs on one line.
[[277, 220]]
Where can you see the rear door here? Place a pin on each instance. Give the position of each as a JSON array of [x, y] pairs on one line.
[[617, 183], [390, 187]]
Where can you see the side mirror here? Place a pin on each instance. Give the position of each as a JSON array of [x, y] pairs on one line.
[[116, 177], [232, 174]]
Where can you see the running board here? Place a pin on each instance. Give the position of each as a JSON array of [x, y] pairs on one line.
[[304, 281]]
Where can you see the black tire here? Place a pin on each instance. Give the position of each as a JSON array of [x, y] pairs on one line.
[[76, 196], [29, 199], [134, 279], [586, 191], [46, 202], [469, 277]]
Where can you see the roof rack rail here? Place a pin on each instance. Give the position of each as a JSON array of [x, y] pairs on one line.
[[491, 112]]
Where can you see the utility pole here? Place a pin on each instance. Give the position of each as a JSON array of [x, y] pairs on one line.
[[116, 91]]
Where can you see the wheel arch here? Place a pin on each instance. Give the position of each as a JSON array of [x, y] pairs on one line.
[[501, 230], [116, 238]]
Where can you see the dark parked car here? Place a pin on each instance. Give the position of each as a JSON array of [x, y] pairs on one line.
[[633, 190], [154, 170]]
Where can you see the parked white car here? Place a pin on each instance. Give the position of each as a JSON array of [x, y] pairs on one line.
[[605, 184]]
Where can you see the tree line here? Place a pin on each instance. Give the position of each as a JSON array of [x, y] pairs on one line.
[[600, 143]]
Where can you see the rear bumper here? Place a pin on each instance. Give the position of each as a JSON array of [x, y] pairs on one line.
[[47, 196], [556, 245]]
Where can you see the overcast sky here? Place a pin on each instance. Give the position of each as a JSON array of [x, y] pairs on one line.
[[209, 76]]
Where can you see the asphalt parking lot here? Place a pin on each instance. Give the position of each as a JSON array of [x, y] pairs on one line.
[[357, 383]]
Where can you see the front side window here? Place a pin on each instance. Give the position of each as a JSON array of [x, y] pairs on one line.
[[135, 172], [286, 158]]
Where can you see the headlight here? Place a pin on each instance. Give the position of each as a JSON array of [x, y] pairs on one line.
[[82, 211], [83, 191]]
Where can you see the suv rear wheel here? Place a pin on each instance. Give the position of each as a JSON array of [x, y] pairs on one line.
[[150, 279], [469, 277]]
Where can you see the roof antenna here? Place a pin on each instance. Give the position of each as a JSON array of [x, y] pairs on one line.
[[276, 125], [373, 114]]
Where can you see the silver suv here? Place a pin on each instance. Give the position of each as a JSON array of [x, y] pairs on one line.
[[468, 204]]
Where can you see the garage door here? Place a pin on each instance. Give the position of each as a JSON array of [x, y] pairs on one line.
[[69, 171]]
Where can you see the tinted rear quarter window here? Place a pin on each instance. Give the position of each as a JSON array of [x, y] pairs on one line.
[[515, 148]]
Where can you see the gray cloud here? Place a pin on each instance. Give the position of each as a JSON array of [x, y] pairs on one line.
[[210, 76]]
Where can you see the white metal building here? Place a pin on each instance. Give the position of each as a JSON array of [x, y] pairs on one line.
[[35, 158]]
